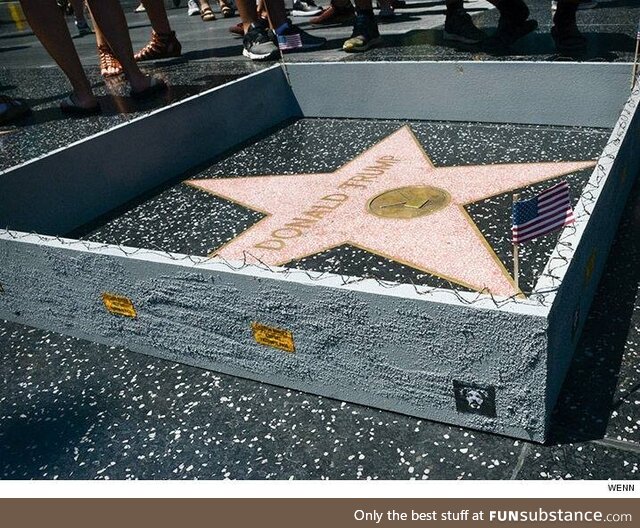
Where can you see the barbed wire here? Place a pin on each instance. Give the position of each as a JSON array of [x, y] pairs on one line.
[[542, 296], [565, 248]]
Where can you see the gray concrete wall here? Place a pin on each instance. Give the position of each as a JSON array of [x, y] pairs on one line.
[[578, 94], [382, 350], [67, 188], [598, 215]]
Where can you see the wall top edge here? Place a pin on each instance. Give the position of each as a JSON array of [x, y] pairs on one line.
[[532, 306]]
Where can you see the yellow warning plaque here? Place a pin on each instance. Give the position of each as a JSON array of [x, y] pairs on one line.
[[118, 305], [273, 337]]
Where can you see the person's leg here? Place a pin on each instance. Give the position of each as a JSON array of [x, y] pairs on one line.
[[80, 20], [339, 11], [514, 22], [386, 9], [206, 13], [565, 31], [157, 14], [276, 11], [248, 12], [163, 41], [226, 8], [109, 17], [365, 30], [459, 26], [109, 65], [48, 24]]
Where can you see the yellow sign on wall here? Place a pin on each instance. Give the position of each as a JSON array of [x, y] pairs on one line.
[[273, 337], [118, 305]]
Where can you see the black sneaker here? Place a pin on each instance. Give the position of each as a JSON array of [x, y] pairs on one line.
[[459, 27], [257, 44], [365, 35], [305, 8], [568, 39], [509, 31], [292, 38]]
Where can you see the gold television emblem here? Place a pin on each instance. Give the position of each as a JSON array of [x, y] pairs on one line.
[[409, 202]]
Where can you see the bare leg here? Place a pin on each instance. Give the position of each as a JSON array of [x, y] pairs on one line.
[[206, 13], [248, 12], [157, 14], [48, 24], [109, 66], [109, 17]]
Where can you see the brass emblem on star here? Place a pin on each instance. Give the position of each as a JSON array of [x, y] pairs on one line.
[[409, 202]]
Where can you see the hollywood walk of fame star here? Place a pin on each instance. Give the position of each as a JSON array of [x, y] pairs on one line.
[[390, 200]]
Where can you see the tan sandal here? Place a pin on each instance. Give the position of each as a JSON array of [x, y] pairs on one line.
[[161, 46], [226, 10], [109, 65], [206, 14]]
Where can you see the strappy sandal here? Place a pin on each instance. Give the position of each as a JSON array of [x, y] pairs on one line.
[[70, 107], [227, 10], [206, 14], [109, 65], [161, 46]]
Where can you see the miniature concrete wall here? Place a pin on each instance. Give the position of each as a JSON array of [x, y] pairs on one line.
[[392, 348], [69, 187], [586, 247], [388, 351], [577, 94]]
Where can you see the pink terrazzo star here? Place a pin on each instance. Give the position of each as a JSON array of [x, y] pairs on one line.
[[310, 213]]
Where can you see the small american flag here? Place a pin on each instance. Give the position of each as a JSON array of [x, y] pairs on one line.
[[287, 42], [545, 213]]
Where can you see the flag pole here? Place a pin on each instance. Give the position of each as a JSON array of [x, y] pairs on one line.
[[516, 263], [635, 58]]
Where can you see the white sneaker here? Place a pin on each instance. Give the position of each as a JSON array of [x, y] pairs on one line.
[[193, 8], [305, 8], [584, 4], [139, 9]]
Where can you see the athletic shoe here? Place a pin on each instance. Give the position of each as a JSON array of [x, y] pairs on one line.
[[365, 35], [258, 44], [584, 4], [568, 39], [334, 15], [139, 9], [459, 27], [83, 28], [292, 38], [509, 31], [305, 8], [193, 8]]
